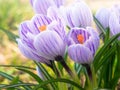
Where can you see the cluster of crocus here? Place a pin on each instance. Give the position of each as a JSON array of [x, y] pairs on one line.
[[44, 38], [110, 17]]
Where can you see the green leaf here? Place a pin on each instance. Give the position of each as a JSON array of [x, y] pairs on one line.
[[118, 56], [17, 85], [9, 77], [107, 36], [36, 77], [114, 81], [18, 66], [14, 81], [46, 74], [103, 49], [105, 58], [99, 25], [78, 68], [10, 35], [59, 80]]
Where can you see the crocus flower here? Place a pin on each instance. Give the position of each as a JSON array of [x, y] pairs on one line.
[[82, 44], [49, 44], [103, 16], [114, 21], [77, 15], [49, 31], [41, 6]]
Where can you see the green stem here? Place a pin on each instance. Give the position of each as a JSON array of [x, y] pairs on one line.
[[88, 71], [61, 60], [55, 70]]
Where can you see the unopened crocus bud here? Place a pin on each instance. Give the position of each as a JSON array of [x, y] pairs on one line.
[[41, 6], [77, 15], [103, 16], [114, 22]]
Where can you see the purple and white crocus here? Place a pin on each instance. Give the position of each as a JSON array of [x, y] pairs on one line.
[[103, 16], [77, 14], [42, 38], [110, 17], [114, 21], [41, 6], [82, 44]]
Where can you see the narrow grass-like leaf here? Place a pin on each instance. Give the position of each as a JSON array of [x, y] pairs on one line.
[[14, 81], [103, 49], [105, 57], [47, 75], [17, 85], [78, 68], [10, 35], [45, 72], [18, 66], [59, 80], [99, 25], [9, 77], [36, 77], [114, 81], [118, 56], [107, 36]]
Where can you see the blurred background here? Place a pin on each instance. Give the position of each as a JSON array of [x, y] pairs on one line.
[[12, 13]]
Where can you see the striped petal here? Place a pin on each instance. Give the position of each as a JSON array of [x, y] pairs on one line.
[[83, 43], [77, 15], [59, 2], [40, 20], [103, 16], [26, 51], [49, 44], [41, 6], [80, 54], [114, 23], [74, 32]]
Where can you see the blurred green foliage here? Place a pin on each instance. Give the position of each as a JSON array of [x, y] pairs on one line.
[[12, 13]]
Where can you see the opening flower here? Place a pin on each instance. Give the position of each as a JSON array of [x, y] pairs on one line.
[[82, 44], [49, 44], [42, 32]]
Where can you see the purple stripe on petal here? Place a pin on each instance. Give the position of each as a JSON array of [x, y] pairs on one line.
[[59, 2], [114, 23], [80, 54], [40, 20], [102, 16], [75, 32], [41, 6], [57, 27], [49, 44], [29, 53], [77, 15]]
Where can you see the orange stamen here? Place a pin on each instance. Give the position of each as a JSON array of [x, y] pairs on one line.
[[42, 28], [80, 38]]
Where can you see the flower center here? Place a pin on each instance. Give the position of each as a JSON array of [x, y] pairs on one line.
[[80, 38], [42, 28]]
